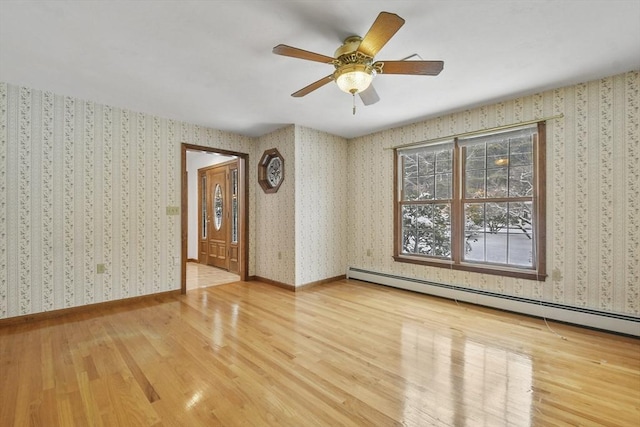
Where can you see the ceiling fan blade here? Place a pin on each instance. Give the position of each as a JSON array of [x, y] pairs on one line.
[[384, 27], [294, 52], [422, 68], [369, 96], [313, 86]]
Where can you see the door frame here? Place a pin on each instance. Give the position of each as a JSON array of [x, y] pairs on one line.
[[243, 192]]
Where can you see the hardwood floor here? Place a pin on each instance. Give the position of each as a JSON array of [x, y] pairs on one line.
[[346, 353]]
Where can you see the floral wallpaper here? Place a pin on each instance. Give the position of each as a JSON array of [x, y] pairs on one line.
[[275, 219], [593, 194], [83, 184], [302, 234], [320, 205]]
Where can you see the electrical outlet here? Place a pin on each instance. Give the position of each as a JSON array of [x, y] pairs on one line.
[[100, 269], [279, 255], [173, 210], [368, 252]]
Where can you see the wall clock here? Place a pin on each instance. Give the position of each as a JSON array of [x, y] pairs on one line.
[[271, 171]]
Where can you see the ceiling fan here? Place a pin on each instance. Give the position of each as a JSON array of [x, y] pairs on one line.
[[354, 61]]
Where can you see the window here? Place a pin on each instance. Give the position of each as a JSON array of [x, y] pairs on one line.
[[474, 203]]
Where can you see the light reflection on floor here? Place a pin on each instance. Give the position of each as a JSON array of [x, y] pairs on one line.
[[485, 385]]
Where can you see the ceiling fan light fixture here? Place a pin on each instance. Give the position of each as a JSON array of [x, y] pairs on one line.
[[353, 78], [354, 63]]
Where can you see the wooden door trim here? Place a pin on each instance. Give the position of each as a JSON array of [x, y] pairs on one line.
[[243, 227]]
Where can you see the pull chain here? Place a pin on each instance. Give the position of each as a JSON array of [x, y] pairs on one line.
[[354, 102]]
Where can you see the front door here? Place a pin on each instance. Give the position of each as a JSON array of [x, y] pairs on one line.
[[219, 220]]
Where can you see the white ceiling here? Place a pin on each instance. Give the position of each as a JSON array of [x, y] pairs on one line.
[[210, 62]]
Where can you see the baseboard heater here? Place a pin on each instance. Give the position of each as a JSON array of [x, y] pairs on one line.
[[614, 322]]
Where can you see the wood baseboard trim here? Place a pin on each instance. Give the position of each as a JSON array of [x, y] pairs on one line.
[[274, 283], [301, 287], [320, 282], [193, 260], [28, 318]]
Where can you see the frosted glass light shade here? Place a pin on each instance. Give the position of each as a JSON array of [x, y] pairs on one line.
[[353, 78]]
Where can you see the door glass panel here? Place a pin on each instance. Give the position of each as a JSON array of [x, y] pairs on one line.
[[203, 204], [234, 182], [217, 207], [234, 206]]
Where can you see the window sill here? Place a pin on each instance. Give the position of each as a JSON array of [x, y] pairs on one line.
[[496, 270]]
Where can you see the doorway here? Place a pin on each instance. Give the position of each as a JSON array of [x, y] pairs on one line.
[[231, 253]]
